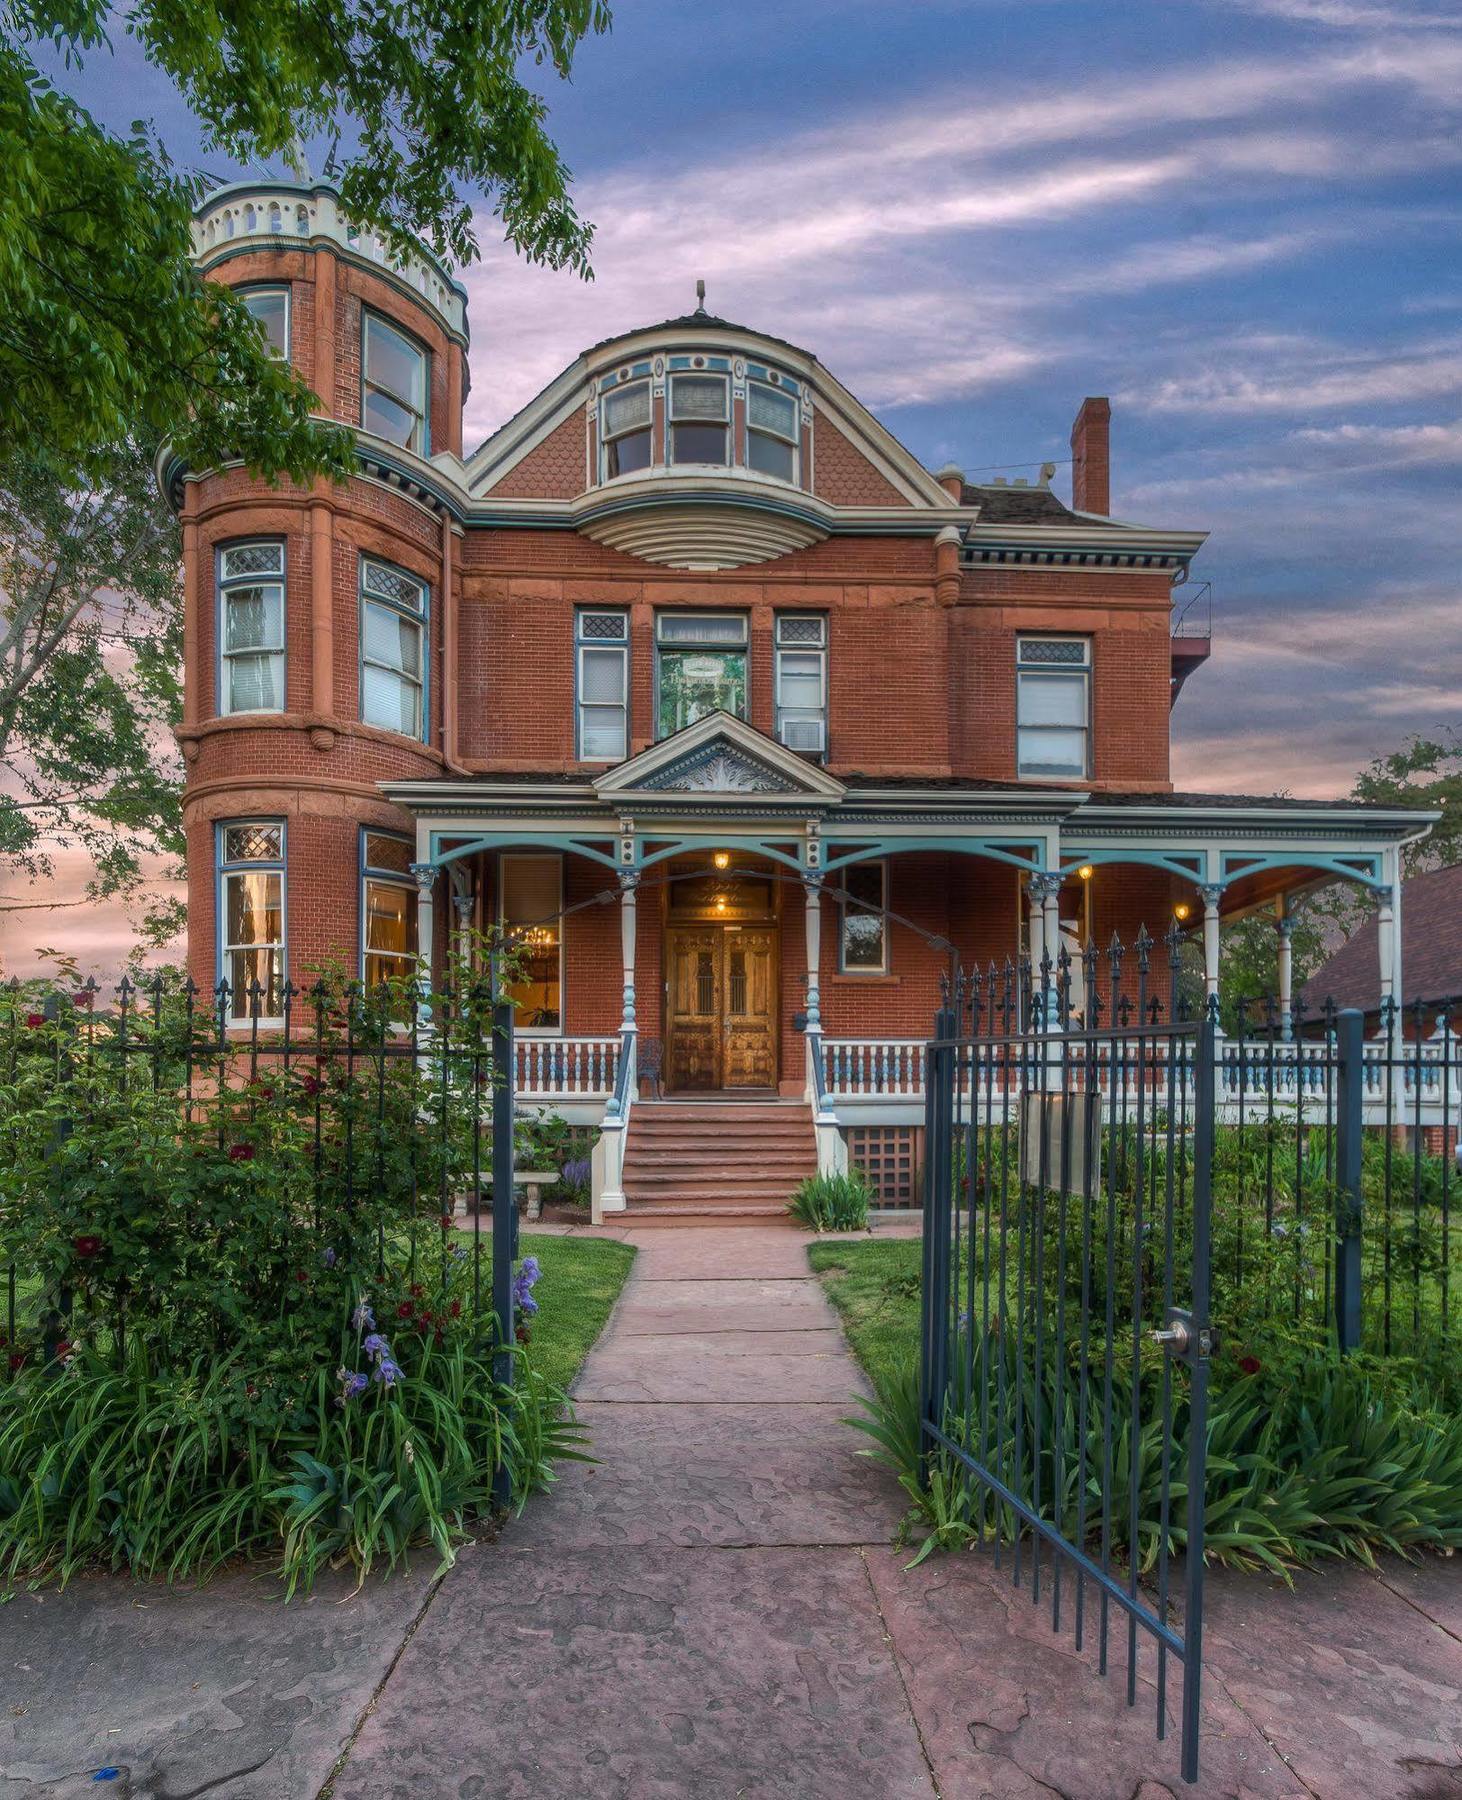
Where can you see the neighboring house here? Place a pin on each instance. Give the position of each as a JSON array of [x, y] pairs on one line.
[[1431, 954], [692, 633]]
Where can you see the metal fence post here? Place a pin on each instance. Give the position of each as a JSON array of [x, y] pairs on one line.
[[55, 1321], [1349, 1091], [938, 1182], [504, 1207]]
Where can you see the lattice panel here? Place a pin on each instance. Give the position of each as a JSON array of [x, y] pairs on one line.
[[890, 1156]]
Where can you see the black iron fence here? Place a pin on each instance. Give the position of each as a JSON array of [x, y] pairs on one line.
[[163, 1150]]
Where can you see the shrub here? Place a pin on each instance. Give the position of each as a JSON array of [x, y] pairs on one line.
[[832, 1202]]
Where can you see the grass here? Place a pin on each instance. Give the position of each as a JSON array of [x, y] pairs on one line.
[[875, 1288], [581, 1280]]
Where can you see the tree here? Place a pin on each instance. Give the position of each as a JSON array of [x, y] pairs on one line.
[[1248, 964], [105, 329], [90, 650], [1424, 772]]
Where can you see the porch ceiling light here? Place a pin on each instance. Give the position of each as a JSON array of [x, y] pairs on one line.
[[722, 859], [1085, 872], [1181, 910]]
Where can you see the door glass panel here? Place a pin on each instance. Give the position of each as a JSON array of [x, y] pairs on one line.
[[736, 999], [705, 983]]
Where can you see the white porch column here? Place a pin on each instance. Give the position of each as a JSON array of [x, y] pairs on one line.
[[812, 887], [1284, 959], [1210, 893], [1388, 946], [1045, 935], [628, 887], [426, 882], [463, 905]]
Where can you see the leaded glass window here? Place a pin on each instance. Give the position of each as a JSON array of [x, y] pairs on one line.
[[1053, 707], [393, 609], [801, 681], [388, 908], [251, 933], [251, 628], [603, 683]]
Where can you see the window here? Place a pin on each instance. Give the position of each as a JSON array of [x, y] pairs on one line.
[[269, 307], [700, 667], [1053, 706], [624, 429], [865, 929], [801, 644], [771, 431], [393, 608], [387, 908], [251, 628], [394, 391], [530, 900], [603, 657], [699, 419], [251, 940]]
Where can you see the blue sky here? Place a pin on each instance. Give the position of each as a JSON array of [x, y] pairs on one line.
[[1239, 218]]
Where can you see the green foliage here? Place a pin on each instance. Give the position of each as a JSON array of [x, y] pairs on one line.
[[90, 654], [105, 329], [1248, 961], [832, 1202], [1424, 772]]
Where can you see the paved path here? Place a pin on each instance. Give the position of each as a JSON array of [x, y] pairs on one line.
[[713, 1610]]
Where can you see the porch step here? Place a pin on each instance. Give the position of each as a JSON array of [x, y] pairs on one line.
[[726, 1160]]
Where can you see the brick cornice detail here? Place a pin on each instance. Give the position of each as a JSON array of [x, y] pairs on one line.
[[317, 725]]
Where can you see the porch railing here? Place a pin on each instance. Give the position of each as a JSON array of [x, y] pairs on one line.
[[570, 1068], [874, 1068]]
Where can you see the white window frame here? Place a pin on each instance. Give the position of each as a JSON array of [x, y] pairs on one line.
[[420, 439], [582, 644], [1031, 672], [372, 874], [419, 615], [844, 968], [510, 856], [792, 439], [785, 647], [228, 870], [228, 585], [671, 420], [608, 438], [258, 289]]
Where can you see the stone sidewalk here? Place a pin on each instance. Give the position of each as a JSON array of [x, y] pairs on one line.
[[713, 1610]]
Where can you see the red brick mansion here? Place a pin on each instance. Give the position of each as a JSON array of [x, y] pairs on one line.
[[694, 636]]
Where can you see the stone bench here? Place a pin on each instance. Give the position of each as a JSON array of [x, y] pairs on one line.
[[528, 1185]]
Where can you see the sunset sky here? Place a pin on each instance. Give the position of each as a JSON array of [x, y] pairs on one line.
[[1238, 218]]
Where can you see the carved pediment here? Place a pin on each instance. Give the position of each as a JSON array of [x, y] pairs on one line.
[[720, 768]]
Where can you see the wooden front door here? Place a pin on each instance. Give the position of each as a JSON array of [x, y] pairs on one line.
[[721, 1008]]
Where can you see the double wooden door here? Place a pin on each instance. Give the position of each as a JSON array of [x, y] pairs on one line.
[[721, 1007]]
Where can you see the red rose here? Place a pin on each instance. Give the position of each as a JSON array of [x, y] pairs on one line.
[[17, 1361], [455, 1309], [63, 1350], [1250, 1364], [523, 1334], [417, 1290], [446, 1221], [86, 1246], [311, 1085], [301, 1277], [405, 1310], [241, 1153], [426, 1318], [35, 1020]]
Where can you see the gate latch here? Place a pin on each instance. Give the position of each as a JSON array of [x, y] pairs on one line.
[[1179, 1336]]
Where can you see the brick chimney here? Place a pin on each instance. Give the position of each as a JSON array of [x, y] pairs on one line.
[[1091, 456]]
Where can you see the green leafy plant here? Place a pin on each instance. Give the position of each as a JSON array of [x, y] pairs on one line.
[[832, 1202]]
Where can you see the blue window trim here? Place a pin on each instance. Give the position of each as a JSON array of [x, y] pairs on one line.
[[581, 643], [369, 872], [881, 864], [220, 688], [221, 870], [425, 618], [367, 313]]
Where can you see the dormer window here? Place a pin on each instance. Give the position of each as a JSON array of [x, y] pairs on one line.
[[700, 419], [771, 431], [625, 429]]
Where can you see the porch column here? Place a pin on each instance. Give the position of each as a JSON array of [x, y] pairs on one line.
[[629, 882], [426, 882], [463, 904], [1045, 941], [1284, 959], [1387, 937], [1210, 893], [812, 887]]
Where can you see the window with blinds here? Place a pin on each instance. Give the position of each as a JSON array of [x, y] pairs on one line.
[[251, 627], [1053, 707], [393, 610]]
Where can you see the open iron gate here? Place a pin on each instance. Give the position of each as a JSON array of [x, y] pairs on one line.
[[1065, 1316]]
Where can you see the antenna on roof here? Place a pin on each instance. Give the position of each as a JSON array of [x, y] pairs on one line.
[[700, 296]]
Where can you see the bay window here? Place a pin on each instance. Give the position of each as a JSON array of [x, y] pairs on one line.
[[393, 611], [388, 898], [801, 681], [394, 385], [530, 900], [624, 429], [1053, 706], [700, 418], [251, 913], [771, 431], [251, 627], [863, 949], [700, 668], [602, 652]]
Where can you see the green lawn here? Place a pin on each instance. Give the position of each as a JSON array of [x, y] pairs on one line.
[[875, 1287], [580, 1283]]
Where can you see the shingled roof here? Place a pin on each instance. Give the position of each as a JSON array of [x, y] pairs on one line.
[[1006, 505], [1431, 950]]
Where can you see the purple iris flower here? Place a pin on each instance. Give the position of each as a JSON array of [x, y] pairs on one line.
[[328, 1259], [361, 1317], [388, 1372], [375, 1345]]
